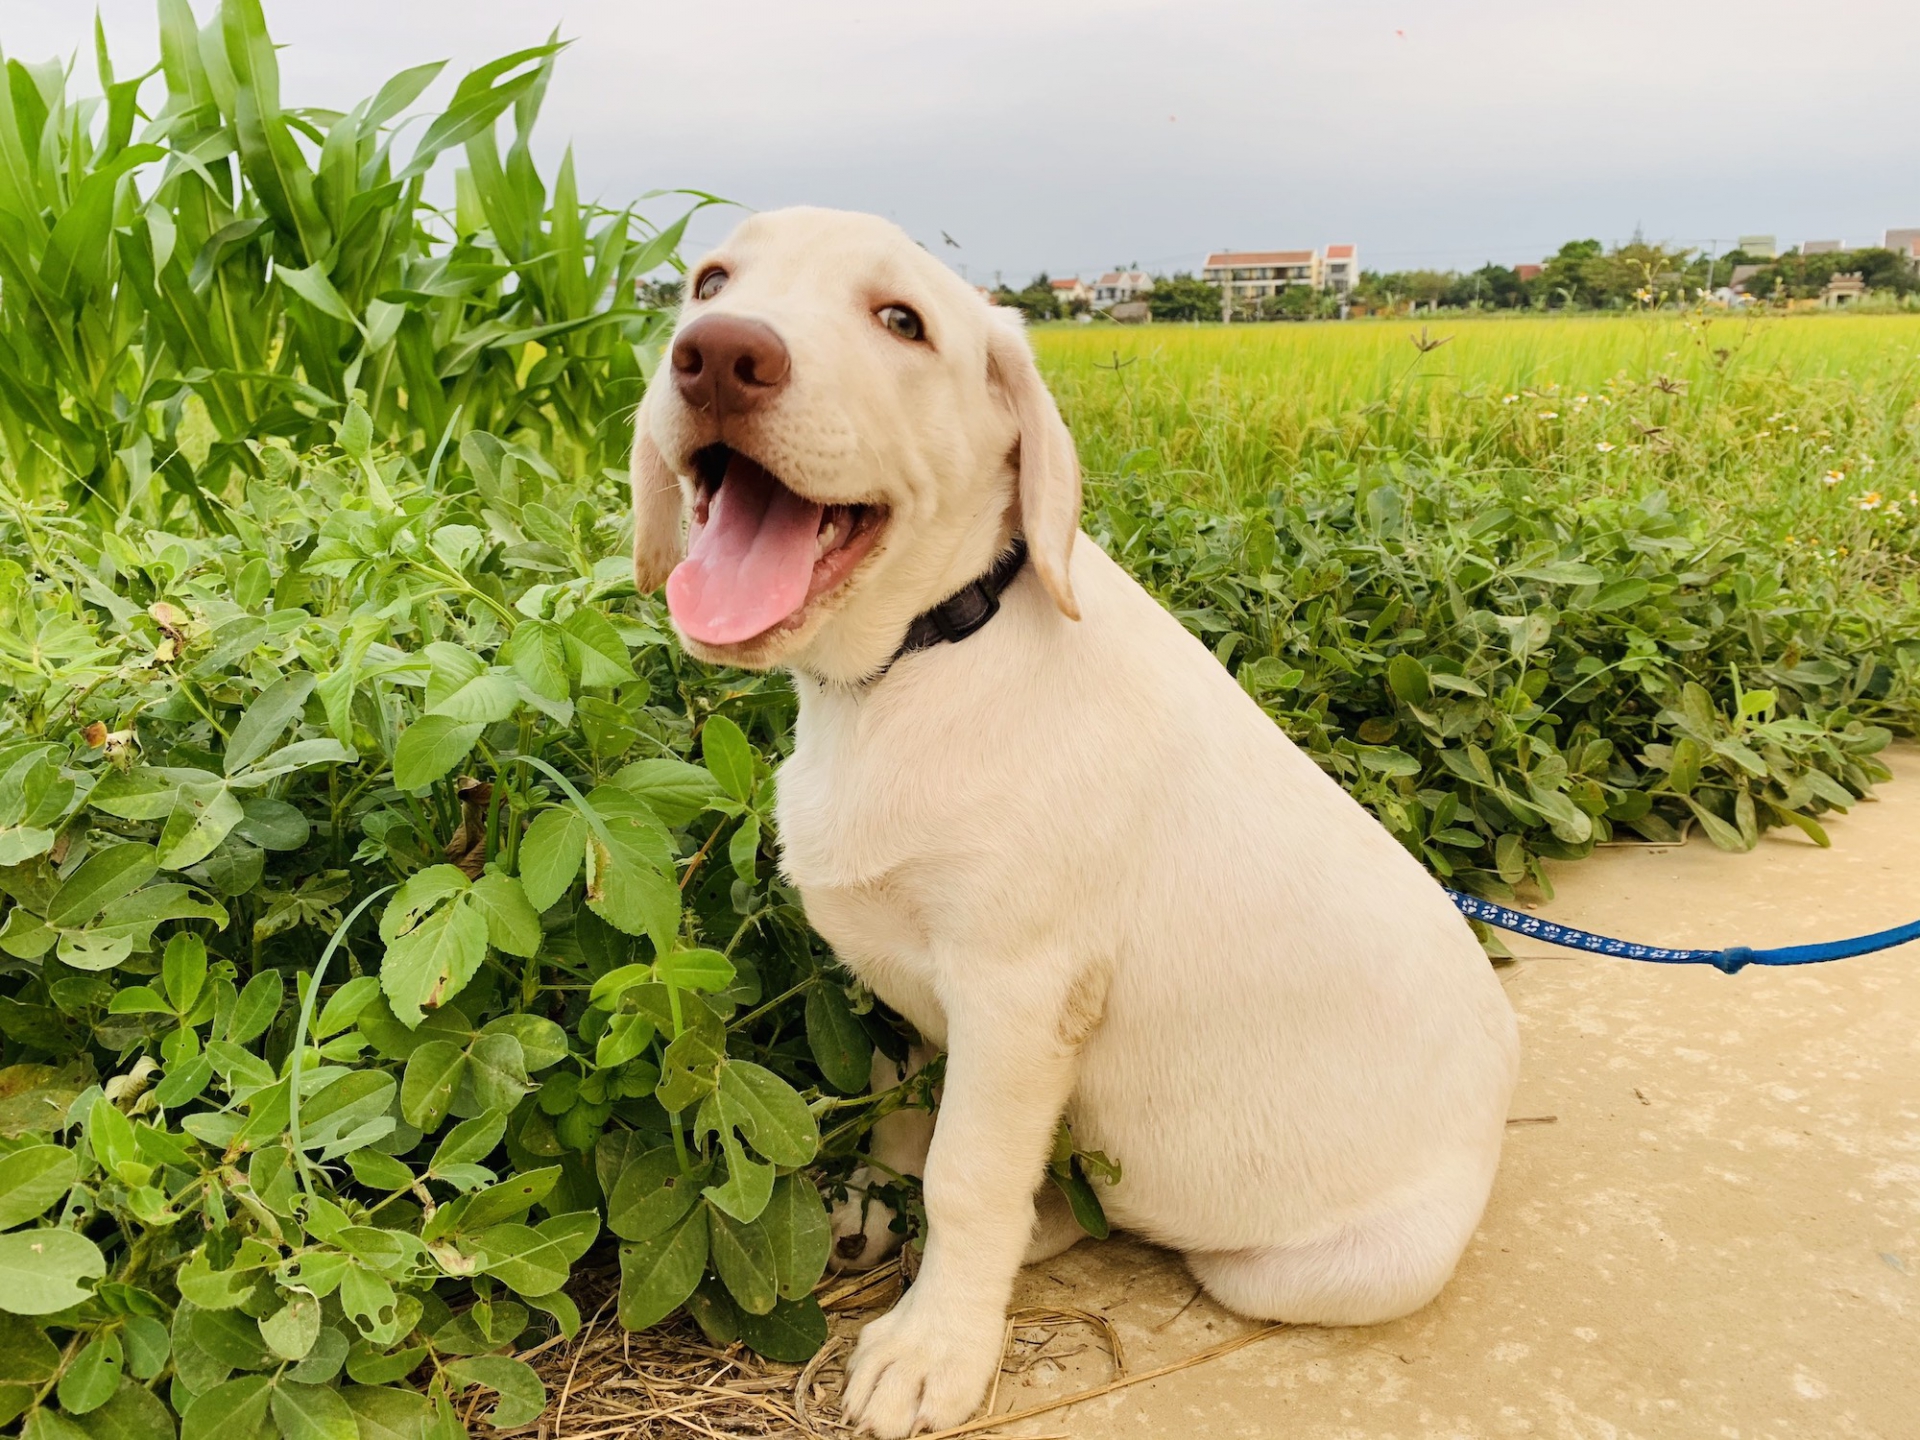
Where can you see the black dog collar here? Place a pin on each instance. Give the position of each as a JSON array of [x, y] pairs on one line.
[[966, 611]]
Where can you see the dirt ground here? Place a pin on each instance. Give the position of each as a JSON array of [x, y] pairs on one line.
[[1708, 1219]]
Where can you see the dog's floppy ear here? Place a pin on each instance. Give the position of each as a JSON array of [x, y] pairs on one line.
[[1049, 469], [658, 538]]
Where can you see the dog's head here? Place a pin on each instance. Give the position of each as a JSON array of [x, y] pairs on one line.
[[843, 435]]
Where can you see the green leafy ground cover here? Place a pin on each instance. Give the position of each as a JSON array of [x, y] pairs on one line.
[[384, 947], [390, 927]]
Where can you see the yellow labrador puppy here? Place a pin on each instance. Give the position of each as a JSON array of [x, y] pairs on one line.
[[1038, 819]]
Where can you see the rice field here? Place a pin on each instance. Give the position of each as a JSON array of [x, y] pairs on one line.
[[1802, 430]]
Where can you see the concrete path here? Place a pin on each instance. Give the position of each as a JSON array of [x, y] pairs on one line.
[[1707, 1223]]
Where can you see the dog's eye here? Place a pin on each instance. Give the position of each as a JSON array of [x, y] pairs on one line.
[[902, 322], [711, 284]]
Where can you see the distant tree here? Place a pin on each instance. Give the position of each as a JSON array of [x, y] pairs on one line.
[[1884, 269], [1037, 301], [1398, 289], [1586, 275], [1700, 271], [1183, 297], [1564, 279], [1295, 302], [1803, 277], [1637, 273], [1491, 287], [1368, 291], [660, 294]]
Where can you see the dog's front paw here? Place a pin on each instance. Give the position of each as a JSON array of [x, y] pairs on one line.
[[863, 1233], [922, 1366]]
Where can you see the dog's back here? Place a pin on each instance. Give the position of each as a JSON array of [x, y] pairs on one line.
[[1294, 1026]]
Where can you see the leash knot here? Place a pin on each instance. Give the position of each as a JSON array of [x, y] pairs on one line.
[[1733, 959]]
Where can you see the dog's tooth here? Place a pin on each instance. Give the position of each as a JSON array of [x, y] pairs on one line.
[[824, 541]]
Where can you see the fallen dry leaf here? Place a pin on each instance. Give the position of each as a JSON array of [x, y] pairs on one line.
[[467, 850]]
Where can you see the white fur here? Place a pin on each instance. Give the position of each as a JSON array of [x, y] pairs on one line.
[[1077, 856]]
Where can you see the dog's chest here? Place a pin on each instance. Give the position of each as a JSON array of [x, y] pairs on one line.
[[850, 863], [857, 838], [853, 804], [880, 929], [881, 935]]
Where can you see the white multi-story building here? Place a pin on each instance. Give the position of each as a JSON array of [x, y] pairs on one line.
[[1340, 269], [1117, 287], [1252, 275]]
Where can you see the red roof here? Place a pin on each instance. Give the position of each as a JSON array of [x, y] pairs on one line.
[[1339, 252], [1122, 277], [1221, 258], [1526, 272], [1066, 284]]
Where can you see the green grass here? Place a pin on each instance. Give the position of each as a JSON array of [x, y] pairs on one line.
[[1743, 419]]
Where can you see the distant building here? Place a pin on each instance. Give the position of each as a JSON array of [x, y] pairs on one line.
[[1901, 242], [1742, 274], [1117, 287], [1340, 269], [1072, 291], [1132, 312], [1252, 275], [1529, 272], [1760, 247], [1843, 290], [1821, 247]]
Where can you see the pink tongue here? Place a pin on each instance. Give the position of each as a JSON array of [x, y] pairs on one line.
[[749, 566]]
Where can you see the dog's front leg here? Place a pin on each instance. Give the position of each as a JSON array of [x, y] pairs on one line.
[[1012, 1038]]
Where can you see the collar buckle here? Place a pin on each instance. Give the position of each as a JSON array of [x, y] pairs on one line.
[[968, 610]]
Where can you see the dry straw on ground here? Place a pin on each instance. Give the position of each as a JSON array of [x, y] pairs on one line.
[[671, 1381]]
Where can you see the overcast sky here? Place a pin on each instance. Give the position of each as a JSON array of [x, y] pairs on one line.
[[1074, 135]]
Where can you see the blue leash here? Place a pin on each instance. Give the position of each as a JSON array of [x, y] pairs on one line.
[[1727, 961]]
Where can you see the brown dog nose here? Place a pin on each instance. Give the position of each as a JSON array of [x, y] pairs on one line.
[[729, 363]]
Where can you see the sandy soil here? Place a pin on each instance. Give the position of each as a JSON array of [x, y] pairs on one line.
[[1707, 1223]]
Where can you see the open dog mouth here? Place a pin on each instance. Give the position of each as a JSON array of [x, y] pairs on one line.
[[758, 552]]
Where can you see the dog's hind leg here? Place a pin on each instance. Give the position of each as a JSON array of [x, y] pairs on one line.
[[1055, 1230], [862, 1225], [1363, 1273]]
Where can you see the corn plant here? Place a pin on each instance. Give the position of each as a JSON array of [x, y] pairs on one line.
[[178, 284]]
